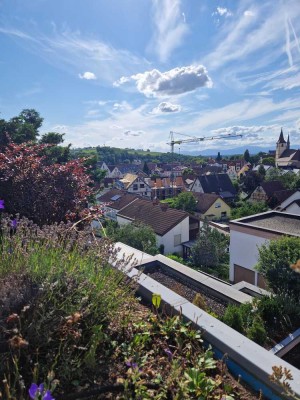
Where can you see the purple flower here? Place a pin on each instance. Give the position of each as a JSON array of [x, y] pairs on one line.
[[169, 353], [131, 364], [14, 224], [2, 205], [35, 392]]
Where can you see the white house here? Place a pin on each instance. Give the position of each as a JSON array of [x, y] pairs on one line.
[[134, 184], [171, 226], [248, 234], [291, 205]]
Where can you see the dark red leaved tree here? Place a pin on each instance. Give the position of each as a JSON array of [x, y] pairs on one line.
[[43, 193]]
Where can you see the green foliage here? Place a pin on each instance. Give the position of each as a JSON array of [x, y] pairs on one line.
[[257, 331], [210, 249], [177, 258], [274, 263], [146, 169], [261, 171], [288, 179], [269, 161], [200, 302], [58, 298], [185, 201], [52, 138], [137, 235], [233, 318], [246, 320], [246, 208], [250, 181], [247, 155]]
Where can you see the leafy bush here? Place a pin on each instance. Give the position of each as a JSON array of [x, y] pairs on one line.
[[257, 331], [233, 318], [275, 261]]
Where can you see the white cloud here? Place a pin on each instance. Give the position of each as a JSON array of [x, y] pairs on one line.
[[133, 133], [166, 107], [170, 27], [87, 75], [249, 13], [223, 12], [173, 82], [247, 131]]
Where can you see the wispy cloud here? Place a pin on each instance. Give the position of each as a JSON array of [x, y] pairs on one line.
[[222, 12], [173, 82], [75, 52], [170, 27]]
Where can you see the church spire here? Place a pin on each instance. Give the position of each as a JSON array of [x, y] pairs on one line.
[[288, 142], [281, 138]]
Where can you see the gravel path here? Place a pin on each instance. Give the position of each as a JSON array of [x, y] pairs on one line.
[[185, 290]]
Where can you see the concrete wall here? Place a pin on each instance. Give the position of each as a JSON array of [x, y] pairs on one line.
[[244, 251]]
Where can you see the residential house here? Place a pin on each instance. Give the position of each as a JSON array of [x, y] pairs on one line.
[[290, 204], [266, 190], [113, 201], [211, 207], [171, 226], [112, 171], [163, 188], [134, 184], [248, 234], [217, 184]]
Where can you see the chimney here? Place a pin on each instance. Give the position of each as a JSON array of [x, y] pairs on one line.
[[164, 206]]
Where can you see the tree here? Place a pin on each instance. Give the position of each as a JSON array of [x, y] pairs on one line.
[[269, 161], [287, 178], [247, 155], [22, 128], [52, 138], [261, 171], [245, 208], [251, 181], [43, 193], [275, 260], [210, 249], [137, 235], [218, 158], [146, 169], [185, 201]]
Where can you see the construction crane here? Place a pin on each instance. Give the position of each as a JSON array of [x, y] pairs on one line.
[[193, 139]]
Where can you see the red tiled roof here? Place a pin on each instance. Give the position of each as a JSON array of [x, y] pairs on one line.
[[160, 217]]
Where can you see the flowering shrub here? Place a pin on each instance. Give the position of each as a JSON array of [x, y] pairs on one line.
[[43, 193]]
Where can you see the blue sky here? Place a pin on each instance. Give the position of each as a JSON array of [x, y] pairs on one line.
[[125, 73]]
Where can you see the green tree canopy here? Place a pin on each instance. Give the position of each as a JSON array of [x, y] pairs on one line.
[[247, 155], [275, 261], [210, 248], [185, 201], [52, 138], [137, 235], [245, 208]]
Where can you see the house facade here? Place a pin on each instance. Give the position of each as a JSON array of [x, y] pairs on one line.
[[171, 226], [211, 207], [134, 184], [248, 234], [219, 184]]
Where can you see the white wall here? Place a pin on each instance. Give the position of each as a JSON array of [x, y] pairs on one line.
[[293, 209], [295, 196], [168, 239], [244, 251], [197, 187]]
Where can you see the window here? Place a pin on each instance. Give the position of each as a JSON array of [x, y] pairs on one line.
[[135, 186], [142, 185], [177, 240], [223, 214], [218, 205]]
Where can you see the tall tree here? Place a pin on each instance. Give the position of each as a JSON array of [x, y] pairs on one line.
[[218, 158], [247, 155]]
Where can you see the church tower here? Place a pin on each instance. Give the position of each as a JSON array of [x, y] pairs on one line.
[[281, 146]]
